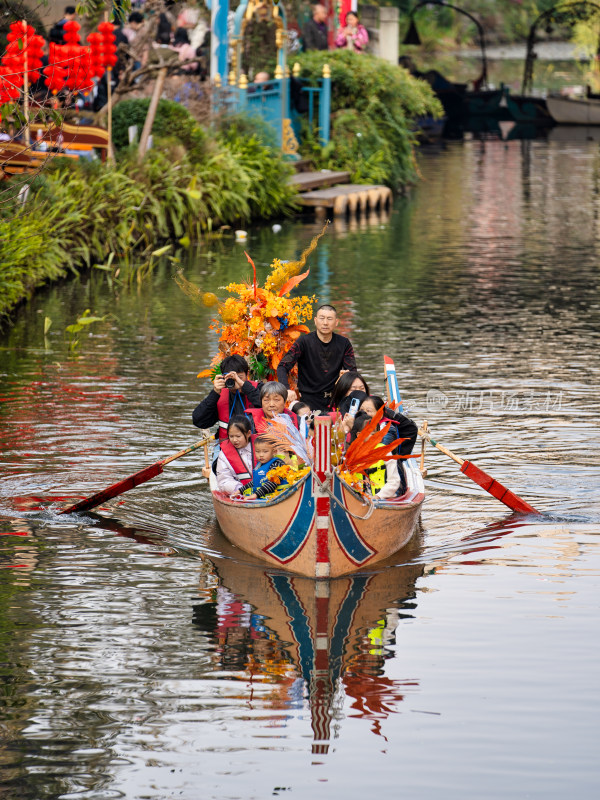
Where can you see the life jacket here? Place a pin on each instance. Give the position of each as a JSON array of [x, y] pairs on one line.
[[224, 412], [258, 418], [377, 475], [232, 455], [259, 473]]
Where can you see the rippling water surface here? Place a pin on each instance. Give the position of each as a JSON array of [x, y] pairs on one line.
[[143, 657]]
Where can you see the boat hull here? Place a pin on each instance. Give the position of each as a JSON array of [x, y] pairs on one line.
[[287, 533], [568, 111]]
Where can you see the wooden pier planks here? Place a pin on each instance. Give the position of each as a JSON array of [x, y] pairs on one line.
[[307, 181]]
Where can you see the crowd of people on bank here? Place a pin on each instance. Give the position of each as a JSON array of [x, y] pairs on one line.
[[349, 36], [187, 33], [328, 383]]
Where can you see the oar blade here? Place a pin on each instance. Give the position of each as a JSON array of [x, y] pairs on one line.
[[496, 489], [117, 488]]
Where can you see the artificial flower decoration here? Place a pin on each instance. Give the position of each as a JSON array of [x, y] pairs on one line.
[[286, 474], [259, 323]]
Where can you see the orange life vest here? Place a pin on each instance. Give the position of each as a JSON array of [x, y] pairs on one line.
[[258, 417]]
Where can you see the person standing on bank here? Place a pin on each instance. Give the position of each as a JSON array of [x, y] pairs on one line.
[[315, 33], [231, 395], [322, 356]]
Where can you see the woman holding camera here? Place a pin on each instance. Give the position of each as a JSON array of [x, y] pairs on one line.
[[232, 394]]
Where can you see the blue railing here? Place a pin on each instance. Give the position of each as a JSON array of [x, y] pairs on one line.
[[272, 102]]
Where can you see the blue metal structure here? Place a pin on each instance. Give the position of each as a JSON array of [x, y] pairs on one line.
[[271, 100]]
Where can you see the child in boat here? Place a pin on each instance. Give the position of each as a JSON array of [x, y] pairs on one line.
[[402, 427], [383, 477], [264, 452], [305, 417], [234, 464]]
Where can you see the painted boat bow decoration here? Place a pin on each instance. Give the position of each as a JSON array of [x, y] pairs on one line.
[[321, 527]]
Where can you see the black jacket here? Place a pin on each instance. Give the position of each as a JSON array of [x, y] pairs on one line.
[[206, 414], [315, 35]]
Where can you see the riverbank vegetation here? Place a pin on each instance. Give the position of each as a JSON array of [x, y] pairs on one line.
[[374, 106], [77, 212], [194, 179]]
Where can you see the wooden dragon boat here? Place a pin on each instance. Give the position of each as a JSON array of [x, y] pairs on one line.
[[320, 526]]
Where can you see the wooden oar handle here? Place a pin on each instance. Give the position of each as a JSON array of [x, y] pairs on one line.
[[187, 450], [441, 447]]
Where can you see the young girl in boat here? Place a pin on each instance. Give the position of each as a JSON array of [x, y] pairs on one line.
[[383, 478], [235, 461], [401, 428], [264, 453]]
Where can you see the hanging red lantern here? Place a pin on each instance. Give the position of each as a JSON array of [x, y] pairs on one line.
[[55, 76], [35, 52], [79, 75], [71, 32], [96, 43], [9, 87], [109, 40]]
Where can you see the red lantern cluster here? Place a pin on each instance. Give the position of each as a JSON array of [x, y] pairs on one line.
[[23, 55], [110, 43], [70, 65]]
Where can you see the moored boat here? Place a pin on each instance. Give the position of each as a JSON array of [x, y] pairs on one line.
[[320, 526], [574, 111]]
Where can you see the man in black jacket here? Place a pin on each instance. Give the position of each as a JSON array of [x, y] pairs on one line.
[[315, 30], [322, 356]]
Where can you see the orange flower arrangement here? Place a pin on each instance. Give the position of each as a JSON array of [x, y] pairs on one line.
[[258, 323], [286, 472]]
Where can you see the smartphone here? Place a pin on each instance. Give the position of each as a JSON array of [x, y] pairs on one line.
[[354, 406]]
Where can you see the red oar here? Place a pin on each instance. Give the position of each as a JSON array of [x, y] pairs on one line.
[[133, 480], [484, 480]]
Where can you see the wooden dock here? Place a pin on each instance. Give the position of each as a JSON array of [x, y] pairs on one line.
[[329, 191]]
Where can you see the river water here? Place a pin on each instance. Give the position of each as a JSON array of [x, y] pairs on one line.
[[143, 657]]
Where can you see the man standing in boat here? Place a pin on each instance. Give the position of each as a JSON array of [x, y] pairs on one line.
[[232, 394], [322, 356]]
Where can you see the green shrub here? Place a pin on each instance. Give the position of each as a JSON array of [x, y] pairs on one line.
[[172, 120], [374, 106]]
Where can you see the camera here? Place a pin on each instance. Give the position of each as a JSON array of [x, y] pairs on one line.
[[229, 383]]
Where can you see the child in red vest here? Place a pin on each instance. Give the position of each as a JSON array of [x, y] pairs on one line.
[[235, 462]]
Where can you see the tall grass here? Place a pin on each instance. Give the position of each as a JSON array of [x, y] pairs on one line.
[[78, 213]]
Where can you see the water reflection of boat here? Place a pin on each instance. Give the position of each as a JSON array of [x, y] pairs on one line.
[[574, 111], [320, 527], [332, 635], [574, 133]]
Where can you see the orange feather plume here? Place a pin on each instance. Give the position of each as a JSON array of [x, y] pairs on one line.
[[365, 450], [289, 285]]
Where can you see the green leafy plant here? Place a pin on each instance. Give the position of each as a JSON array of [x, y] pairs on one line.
[[374, 106], [82, 323]]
